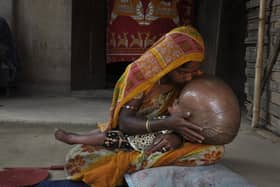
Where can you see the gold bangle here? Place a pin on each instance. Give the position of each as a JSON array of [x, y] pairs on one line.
[[148, 126]]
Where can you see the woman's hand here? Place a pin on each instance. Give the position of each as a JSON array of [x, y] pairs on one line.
[[165, 142], [179, 123]]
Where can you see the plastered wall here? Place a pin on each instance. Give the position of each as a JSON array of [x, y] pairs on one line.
[[43, 35], [6, 11]]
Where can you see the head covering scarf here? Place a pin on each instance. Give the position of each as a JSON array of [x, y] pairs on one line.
[[180, 45]]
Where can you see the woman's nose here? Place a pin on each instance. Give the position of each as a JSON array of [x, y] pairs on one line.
[[188, 76]]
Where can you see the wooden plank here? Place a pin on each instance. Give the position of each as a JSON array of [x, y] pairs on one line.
[[275, 11], [255, 3], [275, 121], [275, 25], [274, 124], [274, 18], [249, 94], [252, 4], [250, 53], [250, 72], [274, 86], [275, 76], [269, 107], [253, 14], [268, 135], [251, 64], [252, 37], [250, 84], [276, 67], [252, 25], [275, 2], [273, 129], [275, 98], [274, 109], [270, 121], [272, 97]]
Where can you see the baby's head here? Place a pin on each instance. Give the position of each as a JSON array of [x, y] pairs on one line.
[[213, 106]]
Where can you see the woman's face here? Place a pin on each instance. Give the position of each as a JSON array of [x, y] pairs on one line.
[[184, 73]]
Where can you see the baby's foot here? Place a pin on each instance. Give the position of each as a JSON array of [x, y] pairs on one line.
[[63, 136]]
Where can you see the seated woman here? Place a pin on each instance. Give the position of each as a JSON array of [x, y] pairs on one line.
[[140, 105], [216, 112]]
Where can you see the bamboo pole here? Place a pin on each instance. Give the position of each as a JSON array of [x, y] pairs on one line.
[[259, 62]]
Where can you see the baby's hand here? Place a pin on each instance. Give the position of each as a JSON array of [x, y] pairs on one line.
[[165, 142], [179, 123]]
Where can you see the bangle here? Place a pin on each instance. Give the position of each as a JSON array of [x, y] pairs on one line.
[[148, 126], [160, 117], [129, 107]]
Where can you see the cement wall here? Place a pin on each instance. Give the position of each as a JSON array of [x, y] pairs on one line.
[[6, 11], [43, 35]]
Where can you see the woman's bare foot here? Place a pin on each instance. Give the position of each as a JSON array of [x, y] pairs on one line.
[[64, 136]]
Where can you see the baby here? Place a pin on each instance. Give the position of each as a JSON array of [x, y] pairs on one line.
[[213, 106], [211, 103]]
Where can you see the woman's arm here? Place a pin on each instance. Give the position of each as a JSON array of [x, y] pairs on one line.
[[132, 124]]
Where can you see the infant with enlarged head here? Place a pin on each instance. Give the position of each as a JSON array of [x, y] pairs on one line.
[[213, 106]]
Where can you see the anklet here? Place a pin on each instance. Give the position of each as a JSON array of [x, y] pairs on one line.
[[116, 139]]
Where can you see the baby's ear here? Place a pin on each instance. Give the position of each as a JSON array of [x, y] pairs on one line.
[[173, 109], [175, 103]]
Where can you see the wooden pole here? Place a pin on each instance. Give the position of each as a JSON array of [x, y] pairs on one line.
[[259, 62]]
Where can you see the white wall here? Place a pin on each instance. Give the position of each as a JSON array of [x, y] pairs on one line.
[[6, 11], [44, 40]]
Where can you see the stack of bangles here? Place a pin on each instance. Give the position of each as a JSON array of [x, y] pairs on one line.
[[116, 139], [148, 123]]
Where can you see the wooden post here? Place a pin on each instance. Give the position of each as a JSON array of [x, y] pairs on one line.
[[259, 62]]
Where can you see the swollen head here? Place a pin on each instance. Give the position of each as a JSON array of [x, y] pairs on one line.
[[213, 106]]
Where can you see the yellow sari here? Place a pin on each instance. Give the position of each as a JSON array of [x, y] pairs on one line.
[[101, 167]]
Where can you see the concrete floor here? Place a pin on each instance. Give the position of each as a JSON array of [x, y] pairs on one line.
[[27, 125]]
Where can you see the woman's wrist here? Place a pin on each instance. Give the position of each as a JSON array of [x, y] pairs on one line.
[[159, 123], [179, 136], [166, 123]]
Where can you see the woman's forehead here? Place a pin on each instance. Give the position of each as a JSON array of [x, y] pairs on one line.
[[190, 64]]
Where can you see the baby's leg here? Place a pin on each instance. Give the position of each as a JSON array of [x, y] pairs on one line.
[[95, 138]]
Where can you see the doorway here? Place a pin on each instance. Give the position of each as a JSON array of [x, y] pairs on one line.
[[89, 69], [88, 59]]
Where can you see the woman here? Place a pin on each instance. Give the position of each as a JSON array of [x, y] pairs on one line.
[[140, 105]]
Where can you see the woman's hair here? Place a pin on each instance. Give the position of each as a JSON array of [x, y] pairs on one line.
[[214, 107]]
